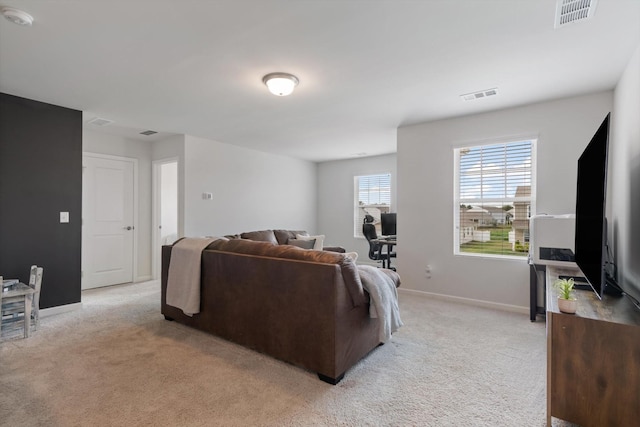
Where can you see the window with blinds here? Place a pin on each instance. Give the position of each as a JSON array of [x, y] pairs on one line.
[[372, 197], [494, 198]]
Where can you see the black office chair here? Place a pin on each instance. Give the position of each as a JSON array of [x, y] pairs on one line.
[[375, 248]]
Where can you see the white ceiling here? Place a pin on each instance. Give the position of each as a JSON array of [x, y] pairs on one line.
[[365, 67]]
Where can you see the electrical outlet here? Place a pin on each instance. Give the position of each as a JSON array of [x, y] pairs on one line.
[[427, 271]]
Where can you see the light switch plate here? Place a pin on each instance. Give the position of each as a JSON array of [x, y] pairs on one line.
[[64, 217]]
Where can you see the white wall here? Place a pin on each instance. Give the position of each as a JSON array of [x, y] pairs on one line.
[[425, 192], [97, 142], [251, 190], [624, 177], [336, 199]]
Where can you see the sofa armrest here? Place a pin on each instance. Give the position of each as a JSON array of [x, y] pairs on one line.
[[338, 249]]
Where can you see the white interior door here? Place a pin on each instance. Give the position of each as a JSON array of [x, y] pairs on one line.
[[108, 221]]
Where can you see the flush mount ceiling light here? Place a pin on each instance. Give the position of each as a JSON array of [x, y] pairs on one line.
[[17, 16], [280, 84]]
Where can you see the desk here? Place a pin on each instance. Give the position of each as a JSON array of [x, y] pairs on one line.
[[19, 293], [390, 244]]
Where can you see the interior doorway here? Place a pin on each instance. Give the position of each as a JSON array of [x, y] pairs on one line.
[[165, 208]]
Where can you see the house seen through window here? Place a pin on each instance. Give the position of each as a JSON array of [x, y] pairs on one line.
[[372, 197], [494, 198]]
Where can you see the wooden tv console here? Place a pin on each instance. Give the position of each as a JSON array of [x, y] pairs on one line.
[[593, 359]]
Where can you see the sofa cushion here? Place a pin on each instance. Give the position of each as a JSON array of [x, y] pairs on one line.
[[260, 236], [283, 236], [304, 244], [348, 267], [319, 240]]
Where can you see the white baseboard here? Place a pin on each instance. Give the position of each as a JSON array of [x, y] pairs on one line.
[[144, 278], [46, 312], [468, 301]]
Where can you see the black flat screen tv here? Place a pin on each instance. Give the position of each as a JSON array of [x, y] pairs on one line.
[[388, 224], [591, 204]]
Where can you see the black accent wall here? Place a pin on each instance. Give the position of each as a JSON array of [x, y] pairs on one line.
[[41, 176]]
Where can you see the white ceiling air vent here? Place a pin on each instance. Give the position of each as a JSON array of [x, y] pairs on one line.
[[148, 132], [569, 11], [480, 94], [99, 122]]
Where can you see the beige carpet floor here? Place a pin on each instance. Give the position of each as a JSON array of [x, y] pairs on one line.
[[117, 362]]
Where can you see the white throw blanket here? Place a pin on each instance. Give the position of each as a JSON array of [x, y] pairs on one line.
[[183, 283], [384, 300]]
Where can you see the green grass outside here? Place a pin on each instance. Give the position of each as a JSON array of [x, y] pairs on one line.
[[497, 245], [498, 233]]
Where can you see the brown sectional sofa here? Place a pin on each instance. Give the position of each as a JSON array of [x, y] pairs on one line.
[[304, 307]]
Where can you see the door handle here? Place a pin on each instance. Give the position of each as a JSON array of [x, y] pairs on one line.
[[128, 228]]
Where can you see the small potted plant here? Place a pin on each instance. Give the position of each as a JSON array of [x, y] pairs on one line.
[[566, 302]]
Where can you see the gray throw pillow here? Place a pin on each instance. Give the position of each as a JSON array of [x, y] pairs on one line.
[[304, 244], [260, 236]]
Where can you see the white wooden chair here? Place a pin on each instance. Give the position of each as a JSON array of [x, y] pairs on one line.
[[12, 310]]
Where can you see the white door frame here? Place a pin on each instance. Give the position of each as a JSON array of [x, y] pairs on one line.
[[135, 203], [156, 250]]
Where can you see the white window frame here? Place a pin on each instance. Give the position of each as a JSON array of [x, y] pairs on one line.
[[358, 216], [458, 200]]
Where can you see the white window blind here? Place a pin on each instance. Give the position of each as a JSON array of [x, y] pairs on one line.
[[372, 197], [494, 196]]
